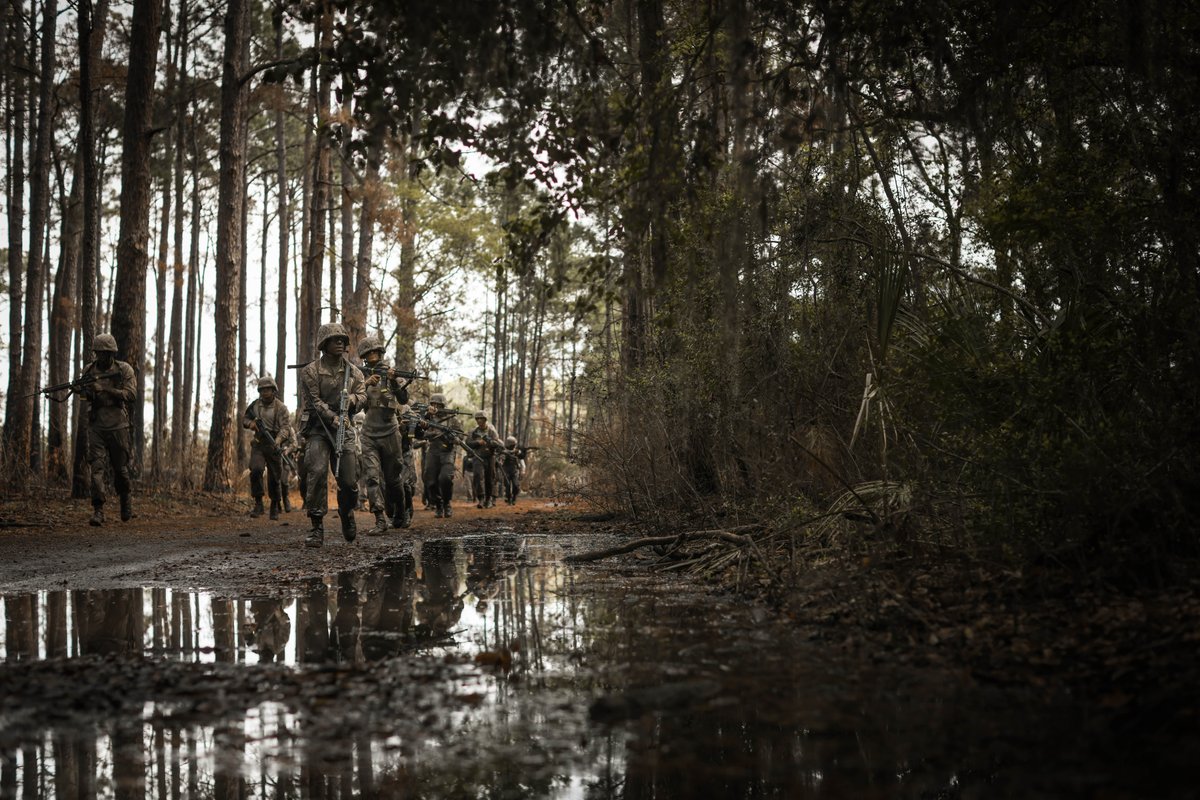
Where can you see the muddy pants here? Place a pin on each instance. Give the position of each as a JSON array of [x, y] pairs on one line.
[[114, 445], [382, 466], [512, 482], [408, 478], [261, 460], [439, 478], [317, 453], [484, 478]]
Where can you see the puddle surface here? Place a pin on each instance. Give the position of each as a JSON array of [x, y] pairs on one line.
[[467, 668]]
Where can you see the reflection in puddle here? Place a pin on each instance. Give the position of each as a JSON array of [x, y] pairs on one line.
[[446, 594], [503, 599]]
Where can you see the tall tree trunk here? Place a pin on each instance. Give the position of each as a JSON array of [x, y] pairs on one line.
[[320, 186], [63, 319], [91, 43], [284, 218], [308, 300], [536, 361], [195, 301], [178, 418], [129, 308], [243, 435], [262, 277], [219, 470], [161, 360], [17, 70], [406, 291], [347, 221], [356, 302]]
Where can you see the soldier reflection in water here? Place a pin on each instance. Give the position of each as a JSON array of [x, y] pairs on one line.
[[440, 603], [347, 626], [271, 629], [312, 623], [110, 622], [387, 611]]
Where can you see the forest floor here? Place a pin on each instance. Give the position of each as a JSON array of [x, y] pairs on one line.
[[1125, 660]]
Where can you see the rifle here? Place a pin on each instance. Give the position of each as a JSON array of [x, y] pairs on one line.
[[423, 408], [459, 438], [74, 386], [272, 445], [399, 373], [343, 418]]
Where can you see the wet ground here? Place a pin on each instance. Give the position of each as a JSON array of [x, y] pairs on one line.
[[468, 661]]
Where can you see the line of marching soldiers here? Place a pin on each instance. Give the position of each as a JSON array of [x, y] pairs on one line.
[[381, 454], [323, 439]]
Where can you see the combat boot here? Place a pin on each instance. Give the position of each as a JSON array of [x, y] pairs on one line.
[[257, 511], [439, 513], [381, 525], [126, 508], [287, 503], [97, 518], [274, 509], [316, 536], [398, 519], [448, 514], [349, 526]]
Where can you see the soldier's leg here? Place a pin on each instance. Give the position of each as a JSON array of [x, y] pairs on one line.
[[97, 457], [429, 478], [316, 478], [274, 479], [371, 468], [347, 493], [446, 483], [117, 443], [490, 482], [392, 467], [258, 464], [478, 490]]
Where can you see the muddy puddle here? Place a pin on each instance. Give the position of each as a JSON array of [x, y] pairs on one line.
[[483, 667]]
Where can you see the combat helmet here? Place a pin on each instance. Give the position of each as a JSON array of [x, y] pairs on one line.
[[511, 441], [330, 330], [104, 343], [437, 399], [481, 414], [367, 345], [267, 382]]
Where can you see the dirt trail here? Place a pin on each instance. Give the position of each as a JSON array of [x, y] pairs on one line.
[[208, 542]]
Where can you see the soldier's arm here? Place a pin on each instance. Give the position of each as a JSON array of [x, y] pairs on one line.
[[313, 396], [126, 388], [285, 435], [357, 395]]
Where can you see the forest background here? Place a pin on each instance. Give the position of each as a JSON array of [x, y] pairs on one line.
[[920, 275]]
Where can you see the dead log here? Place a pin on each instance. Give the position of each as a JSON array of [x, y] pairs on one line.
[[731, 535]]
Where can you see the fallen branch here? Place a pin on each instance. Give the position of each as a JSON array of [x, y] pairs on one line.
[[730, 535]]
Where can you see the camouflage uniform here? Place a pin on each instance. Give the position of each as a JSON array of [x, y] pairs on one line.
[[439, 456], [321, 384], [382, 459], [277, 420], [108, 425], [484, 440], [512, 462]]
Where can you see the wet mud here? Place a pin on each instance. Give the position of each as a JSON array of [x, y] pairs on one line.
[[479, 665]]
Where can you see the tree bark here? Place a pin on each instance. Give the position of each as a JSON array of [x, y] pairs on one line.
[[129, 306], [17, 70], [63, 319], [219, 470], [347, 225], [284, 218], [356, 305], [320, 189], [161, 359], [406, 291], [91, 43], [178, 418]]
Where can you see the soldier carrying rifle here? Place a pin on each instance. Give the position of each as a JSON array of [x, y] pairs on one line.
[[270, 420], [332, 390], [109, 386]]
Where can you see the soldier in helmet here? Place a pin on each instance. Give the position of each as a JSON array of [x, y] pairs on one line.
[[440, 431], [382, 454], [512, 464], [484, 441], [108, 424], [270, 420], [322, 383]]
